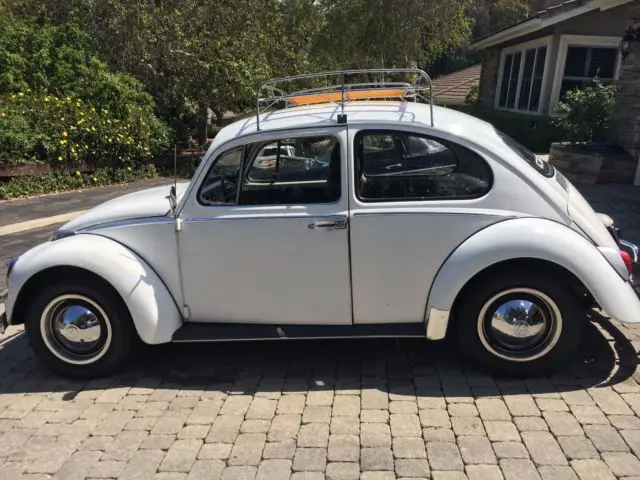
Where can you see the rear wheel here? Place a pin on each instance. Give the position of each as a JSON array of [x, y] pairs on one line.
[[519, 323], [80, 330]]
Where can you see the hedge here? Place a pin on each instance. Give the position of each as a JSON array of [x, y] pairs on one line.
[[534, 132], [65, 131], [61, 105], [61, 182]]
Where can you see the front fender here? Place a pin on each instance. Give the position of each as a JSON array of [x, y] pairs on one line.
[[153, 309], [529, 238]]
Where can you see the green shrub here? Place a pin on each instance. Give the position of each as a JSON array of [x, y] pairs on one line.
[[60, 182], [586, 112], [60, 103], [472, 95], [66, 131], [534, 132]]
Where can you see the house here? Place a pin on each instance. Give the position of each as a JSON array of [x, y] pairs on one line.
[[454, 87], [527, 67]]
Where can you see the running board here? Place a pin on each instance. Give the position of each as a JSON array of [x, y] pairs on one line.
[[228, 332]]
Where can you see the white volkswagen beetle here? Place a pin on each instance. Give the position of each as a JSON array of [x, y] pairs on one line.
[[379, 216]]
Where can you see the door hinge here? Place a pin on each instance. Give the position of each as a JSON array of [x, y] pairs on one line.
[[186, 313], [178, 224]]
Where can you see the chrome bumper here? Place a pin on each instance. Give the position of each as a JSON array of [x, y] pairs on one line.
[[3, 316]]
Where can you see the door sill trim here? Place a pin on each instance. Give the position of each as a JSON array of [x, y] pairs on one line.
[[230, 332]]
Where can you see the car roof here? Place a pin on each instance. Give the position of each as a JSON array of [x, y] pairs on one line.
[[391, 114]]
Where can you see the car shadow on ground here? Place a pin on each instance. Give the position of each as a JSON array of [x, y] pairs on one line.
[[404, 367]]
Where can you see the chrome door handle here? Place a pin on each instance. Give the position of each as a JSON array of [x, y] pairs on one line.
[[329, 225]]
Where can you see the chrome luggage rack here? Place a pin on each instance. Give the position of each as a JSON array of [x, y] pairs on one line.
[[407, 84]]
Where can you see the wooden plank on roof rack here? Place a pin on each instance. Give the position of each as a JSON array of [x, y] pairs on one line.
[[348, 95]]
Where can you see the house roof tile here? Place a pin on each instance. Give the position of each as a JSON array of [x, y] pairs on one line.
[[454, 87]]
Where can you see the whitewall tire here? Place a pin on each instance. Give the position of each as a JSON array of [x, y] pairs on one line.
[[519, 323], [80, 329]]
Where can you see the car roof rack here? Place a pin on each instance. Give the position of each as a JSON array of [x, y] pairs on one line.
[[407, 84]]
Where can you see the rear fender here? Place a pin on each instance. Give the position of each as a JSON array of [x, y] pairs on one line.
[[530, 238], [152, 308]]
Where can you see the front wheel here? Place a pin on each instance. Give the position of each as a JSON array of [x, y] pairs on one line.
[[80, 330], [519, 323]]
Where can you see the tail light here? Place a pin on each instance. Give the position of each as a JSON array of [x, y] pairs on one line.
[[626, 258]]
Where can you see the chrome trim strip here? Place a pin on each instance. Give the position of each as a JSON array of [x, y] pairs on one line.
[[437, 324], [266, 216], [128, 222]]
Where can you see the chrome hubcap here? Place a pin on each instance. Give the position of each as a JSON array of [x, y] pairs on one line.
[[520, 324], [75, 329]]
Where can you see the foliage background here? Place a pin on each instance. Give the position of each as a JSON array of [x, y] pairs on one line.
[[195, 57], [60, 104]]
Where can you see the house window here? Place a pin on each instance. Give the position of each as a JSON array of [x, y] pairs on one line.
[[522, 75], [581, 58], [585, 63]]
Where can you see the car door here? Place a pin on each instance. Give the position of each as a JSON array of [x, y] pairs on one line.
[[265, 237], [415, 199]]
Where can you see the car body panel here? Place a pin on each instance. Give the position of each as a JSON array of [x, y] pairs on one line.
[[398, 247], [152, 308], [155, 240], [588, 220], [538, 239], [263, 264], [151, 202], [396, 255]]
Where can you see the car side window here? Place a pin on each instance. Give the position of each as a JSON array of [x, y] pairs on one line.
[[293, 171], [220, 186], [399, 166]]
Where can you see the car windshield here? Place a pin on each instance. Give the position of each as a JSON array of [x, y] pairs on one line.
[[527, 155]]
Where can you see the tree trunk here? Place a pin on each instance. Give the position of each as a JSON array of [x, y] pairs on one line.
[[202, 123], [219, 116]]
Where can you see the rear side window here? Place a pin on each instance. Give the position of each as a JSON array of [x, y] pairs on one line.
[[527, 155], [399, 166]]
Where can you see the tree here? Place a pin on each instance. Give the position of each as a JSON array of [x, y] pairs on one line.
[[390, 33], [493, 15], [193, 55]]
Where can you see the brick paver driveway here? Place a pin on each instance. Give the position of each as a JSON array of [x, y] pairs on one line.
[[341, 410]]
